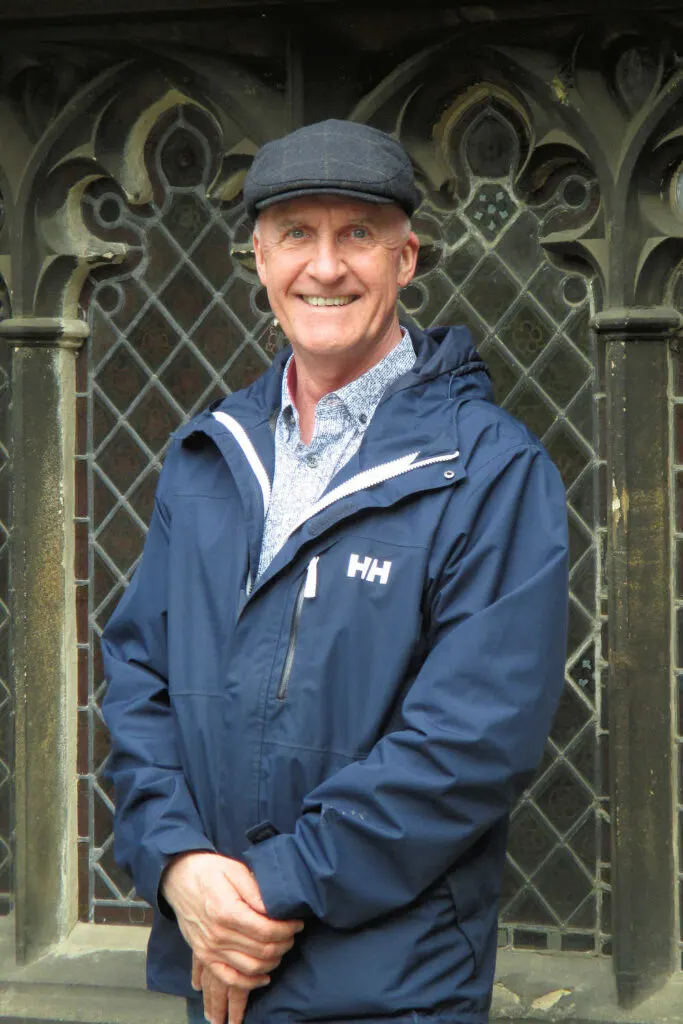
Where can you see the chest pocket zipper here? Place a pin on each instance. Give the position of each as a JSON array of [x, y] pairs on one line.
[[307, 591]]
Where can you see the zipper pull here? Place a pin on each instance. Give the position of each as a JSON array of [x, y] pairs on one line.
[[311, 584]]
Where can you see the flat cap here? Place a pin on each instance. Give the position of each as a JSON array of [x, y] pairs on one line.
[[332, 158]]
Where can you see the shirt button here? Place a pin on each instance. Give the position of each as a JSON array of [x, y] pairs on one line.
[[363, 418], [311, 461]]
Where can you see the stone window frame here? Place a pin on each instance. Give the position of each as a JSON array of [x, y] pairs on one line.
[[66, 953]]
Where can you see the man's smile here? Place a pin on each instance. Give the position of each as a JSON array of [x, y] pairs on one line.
[[322, 300]]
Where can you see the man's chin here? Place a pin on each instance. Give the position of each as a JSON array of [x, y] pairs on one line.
[[326, 344]]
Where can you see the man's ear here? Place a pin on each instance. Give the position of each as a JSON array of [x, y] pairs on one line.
[[260, 261], [408, 260]]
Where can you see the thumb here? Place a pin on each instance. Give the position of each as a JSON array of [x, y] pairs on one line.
[[237, 1005], [247, 889]]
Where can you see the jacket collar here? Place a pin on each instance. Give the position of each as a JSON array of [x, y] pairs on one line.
[[440, 352]]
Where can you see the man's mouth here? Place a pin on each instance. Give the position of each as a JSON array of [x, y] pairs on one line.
[[335, 300]]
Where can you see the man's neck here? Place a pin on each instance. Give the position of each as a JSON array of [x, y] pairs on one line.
[[310, 379]]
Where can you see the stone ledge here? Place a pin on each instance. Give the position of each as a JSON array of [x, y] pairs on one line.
[[82, 1004], [574, 988], [92, 955], [97, 976]]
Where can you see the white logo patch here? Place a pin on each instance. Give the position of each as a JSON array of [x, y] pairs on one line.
[[369, 569]]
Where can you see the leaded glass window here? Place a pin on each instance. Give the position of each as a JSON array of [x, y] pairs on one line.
[[183, 323]]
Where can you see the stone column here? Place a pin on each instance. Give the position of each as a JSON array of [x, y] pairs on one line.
[[43, 625], [640, 671]]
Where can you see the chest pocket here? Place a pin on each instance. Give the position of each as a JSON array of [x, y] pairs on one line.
[[347, 642]]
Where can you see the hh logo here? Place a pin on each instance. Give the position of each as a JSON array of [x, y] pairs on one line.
[[369, 569]]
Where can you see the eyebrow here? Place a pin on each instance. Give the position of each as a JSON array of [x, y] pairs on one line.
[[292, 222]]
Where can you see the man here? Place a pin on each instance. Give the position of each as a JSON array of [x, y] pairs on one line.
[[335, 668]]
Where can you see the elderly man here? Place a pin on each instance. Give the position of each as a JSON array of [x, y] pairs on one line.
[[336, 665]]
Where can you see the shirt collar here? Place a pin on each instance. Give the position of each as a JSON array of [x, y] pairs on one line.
[[361, 396]]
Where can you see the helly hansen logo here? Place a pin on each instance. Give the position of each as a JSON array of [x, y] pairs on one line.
[[369, 569]]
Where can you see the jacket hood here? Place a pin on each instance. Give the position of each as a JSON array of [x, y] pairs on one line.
[[438, 351], [448, 350]]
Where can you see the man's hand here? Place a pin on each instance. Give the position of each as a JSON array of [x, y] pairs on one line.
[[222, 917], [220, 1000]]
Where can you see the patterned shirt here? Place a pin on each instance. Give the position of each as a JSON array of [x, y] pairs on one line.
[[302, 472]]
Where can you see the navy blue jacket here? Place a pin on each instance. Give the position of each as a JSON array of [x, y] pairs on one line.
[[357, 725]]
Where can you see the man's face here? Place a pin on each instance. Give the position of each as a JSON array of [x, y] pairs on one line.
[[332, 268]]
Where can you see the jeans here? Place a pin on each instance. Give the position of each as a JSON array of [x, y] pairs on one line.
[[195, 1010]]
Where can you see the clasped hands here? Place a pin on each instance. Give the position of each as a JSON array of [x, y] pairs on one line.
[[221, 915]]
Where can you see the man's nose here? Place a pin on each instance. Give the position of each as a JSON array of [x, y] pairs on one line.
[[326, 263]]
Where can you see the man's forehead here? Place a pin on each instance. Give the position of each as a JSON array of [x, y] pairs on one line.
[[292, 211]]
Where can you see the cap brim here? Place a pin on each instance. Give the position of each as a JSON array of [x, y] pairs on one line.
[[321, 190]]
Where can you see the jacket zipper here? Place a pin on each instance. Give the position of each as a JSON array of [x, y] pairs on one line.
[[307, 590], [371, 478], [368, 478]]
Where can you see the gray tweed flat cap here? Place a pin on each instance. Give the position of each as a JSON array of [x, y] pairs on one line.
[[332, 158]]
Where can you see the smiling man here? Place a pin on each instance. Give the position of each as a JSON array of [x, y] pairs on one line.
[[337, 663]]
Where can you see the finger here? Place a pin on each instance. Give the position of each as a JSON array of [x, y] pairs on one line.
[[197, 969], [262, 929], [230, 976], [237, 917], [237, 1005], [231, 939], [247, 887], [265, 960], [251, 966], [216, 1002]]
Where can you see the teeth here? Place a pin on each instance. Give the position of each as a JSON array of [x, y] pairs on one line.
[[318, 300]]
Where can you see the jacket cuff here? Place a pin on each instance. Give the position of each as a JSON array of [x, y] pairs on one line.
[[283, 879]]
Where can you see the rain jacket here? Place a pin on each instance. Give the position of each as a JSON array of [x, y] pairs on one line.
[[357, 724]]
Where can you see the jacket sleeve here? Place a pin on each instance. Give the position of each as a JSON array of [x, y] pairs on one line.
[[474, 722], [156, 817]]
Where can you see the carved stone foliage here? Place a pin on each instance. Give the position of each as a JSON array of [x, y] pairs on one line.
[[101, 137], [606, 109]]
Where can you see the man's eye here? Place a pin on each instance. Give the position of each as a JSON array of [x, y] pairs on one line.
[[296, 233], [359, 233]]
